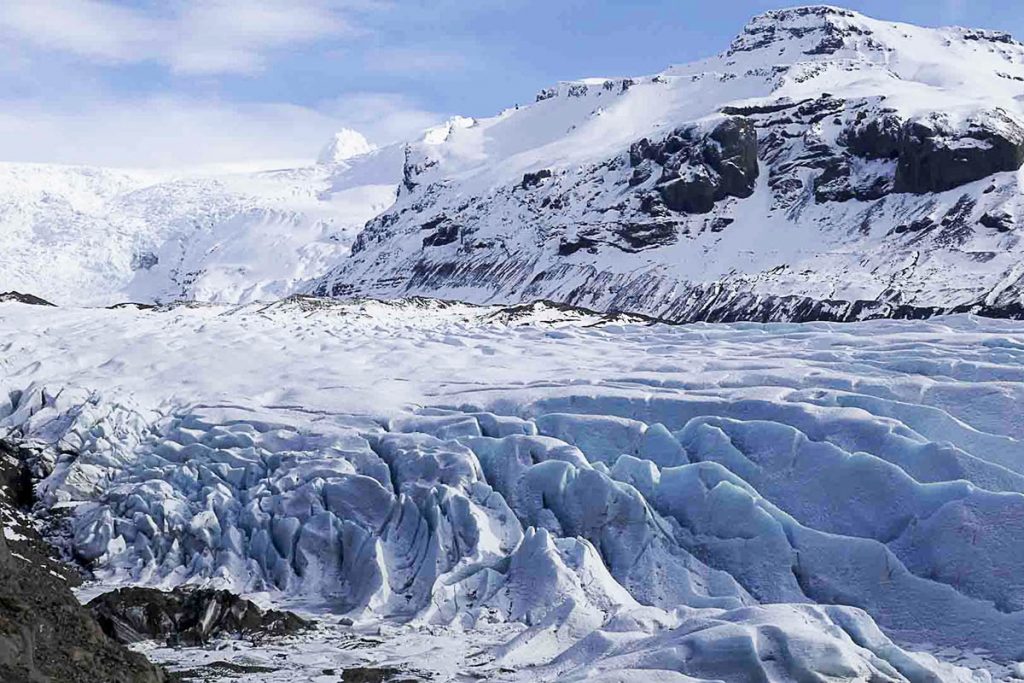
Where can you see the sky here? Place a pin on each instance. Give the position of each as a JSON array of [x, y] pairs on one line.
[[170, 83]]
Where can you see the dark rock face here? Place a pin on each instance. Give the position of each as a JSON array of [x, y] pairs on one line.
[[21, 298], [931, 155], [569, 247], [1003, 222], [837, 183], [17, 496], [639, 236], [933, 158], [443, 232], [371, 675], [535, 179], [46, 635], [875, 138], [187, 617], [700, 170]]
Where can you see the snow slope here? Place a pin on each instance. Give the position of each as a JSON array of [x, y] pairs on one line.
[[825, 159], [584, 498], [80, 235]]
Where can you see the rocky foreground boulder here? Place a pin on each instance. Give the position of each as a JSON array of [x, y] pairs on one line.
[[47, 636], [187, 616]]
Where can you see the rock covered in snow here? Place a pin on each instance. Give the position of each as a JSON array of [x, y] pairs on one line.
[[345, 144], [871, 169]]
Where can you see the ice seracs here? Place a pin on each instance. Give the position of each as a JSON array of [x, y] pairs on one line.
[[752, 490]]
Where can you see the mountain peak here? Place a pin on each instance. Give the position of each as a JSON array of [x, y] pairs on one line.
[[345, 144], [819, 30]]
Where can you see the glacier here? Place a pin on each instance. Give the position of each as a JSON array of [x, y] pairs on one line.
[[585, 496]]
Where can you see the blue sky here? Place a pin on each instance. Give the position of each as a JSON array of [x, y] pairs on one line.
[[174, 82]]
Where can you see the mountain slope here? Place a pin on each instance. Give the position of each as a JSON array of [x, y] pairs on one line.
[[102, 236], [825, 159]]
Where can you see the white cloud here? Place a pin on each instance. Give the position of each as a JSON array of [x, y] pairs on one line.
[[177, 132], [188, 36], [65, 99]]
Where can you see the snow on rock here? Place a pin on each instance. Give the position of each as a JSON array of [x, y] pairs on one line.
[[826, 166], [704, 502], [345, 144]]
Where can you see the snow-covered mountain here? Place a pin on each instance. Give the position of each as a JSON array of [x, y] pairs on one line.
[[345, 144], [80, 235], [827, 165]]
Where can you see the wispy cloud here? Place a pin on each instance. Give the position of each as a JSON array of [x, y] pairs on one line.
[[75, 80], [171, 131], [188, 37]]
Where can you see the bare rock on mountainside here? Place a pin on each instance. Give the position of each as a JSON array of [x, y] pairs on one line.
[[827, 166], [46, 635], [21, 298], [935, 157], [700, 169]]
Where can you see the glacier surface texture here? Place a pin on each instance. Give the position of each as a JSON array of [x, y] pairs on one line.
[[566, 496]]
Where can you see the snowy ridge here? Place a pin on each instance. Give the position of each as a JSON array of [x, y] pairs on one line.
[[702, 489], [826, 166]]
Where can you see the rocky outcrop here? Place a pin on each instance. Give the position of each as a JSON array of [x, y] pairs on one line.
[[931, 154], [838, 182], [700, 169], [47, 636], [874, 137], [187, 616], [935, 157], [827, 26], [22, 298]]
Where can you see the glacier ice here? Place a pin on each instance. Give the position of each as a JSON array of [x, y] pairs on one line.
[[718, 502]]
